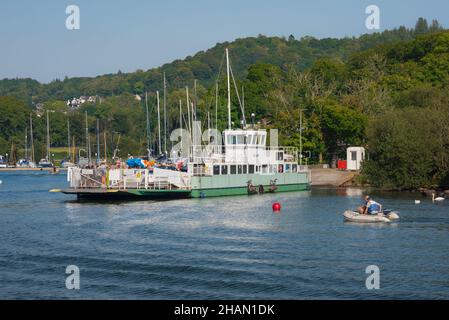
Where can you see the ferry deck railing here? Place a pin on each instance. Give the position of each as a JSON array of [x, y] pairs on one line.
[[122, 179]]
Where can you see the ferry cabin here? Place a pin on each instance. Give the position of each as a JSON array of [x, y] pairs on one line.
[[244, 163]]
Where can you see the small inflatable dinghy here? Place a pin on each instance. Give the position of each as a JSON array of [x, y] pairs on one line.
[[387, 216]]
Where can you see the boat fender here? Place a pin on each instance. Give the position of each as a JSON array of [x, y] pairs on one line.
[[393, 216]]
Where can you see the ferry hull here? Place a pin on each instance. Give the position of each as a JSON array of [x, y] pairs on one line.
[[137, 194], [221, 192], [202, 187], [232, 185], [129, 194]]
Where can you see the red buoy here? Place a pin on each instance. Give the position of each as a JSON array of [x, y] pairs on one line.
[[276, 207]]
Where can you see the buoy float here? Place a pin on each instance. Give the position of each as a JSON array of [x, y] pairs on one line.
[[276, 207]]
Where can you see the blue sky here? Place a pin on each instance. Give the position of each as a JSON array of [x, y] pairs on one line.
[[139, 34]]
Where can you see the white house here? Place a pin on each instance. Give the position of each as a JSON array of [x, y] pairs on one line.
[[354, 157]]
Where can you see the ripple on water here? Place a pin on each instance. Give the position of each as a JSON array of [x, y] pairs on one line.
[[223, 248]]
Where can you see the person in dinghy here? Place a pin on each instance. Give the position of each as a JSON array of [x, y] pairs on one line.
[[370, 207]]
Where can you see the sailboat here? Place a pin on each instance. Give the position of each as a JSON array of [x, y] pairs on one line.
[[26, 162], [46, 162]]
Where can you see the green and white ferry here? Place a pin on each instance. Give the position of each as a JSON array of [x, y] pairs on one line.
[[238, 162], [245, 166]]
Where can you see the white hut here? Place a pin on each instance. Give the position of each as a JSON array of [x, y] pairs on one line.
[[354, 157]]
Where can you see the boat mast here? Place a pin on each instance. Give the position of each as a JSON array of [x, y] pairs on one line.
[[105, 149], [31, 137], [73, 149], [87, 140], [208, 122], [180, 121], [26, 143], [148, 125], [48, 137], [300, 137], [98, 141], [243, 107], [196, 100], [68, 139], [188, 111], [165, 115], [216, 112], [159, 122], [229, 89]]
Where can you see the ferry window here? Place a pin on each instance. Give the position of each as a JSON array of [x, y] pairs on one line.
[[216, 170], [294, 168], [280, 156], [262, 140], [224, 169], [233, 169], [245, 169], [274, 169], [280, 168], [353, 155], [251, 168], [265, 168], [254, 139], [240, 139], [257, 168], [287, 168], [240, 169], [232, 139]]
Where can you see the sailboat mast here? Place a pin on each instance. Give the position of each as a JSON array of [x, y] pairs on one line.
[[196, 101], [73, 150], [148, 123], [216, 113], [159, 122], [300, 137], [180, 120], [68, 139], [31, 137], [98, 141], [188, 111], [229, 89], [165, 114], [48, 137], [243, 106], [87, 140], [105, 148], [26, 143]]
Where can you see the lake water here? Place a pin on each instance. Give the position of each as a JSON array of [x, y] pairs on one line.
[[216, 248]]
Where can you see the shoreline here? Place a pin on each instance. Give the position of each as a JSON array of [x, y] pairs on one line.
[[29, 169]]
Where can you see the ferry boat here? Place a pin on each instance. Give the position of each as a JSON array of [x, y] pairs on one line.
[[240, 164], [247, 166]]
